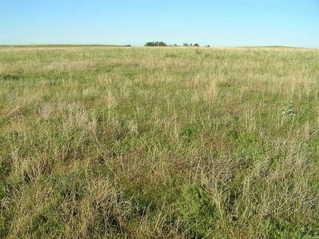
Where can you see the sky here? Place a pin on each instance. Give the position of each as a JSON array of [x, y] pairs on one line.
[[213, 22]]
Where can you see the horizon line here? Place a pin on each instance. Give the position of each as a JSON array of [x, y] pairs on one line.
[[135, 45]]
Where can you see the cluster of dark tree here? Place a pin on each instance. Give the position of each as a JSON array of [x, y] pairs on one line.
[[160, 43], [191, 44], [156, 43]]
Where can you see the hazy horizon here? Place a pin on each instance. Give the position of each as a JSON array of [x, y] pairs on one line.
[[142, 45]]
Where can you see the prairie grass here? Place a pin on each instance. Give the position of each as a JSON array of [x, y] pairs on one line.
[[159, 143]]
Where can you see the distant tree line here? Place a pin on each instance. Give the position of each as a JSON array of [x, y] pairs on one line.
[[191, 44], [163, 44], [155, 43]]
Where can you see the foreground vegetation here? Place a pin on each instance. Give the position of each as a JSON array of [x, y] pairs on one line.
[[159, 143]]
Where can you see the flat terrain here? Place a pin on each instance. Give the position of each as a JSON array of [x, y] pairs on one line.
[[159, 143]]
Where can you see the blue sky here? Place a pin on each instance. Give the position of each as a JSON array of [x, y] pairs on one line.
[[219, 23]]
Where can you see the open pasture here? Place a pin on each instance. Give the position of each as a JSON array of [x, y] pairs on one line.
[[159, 142]]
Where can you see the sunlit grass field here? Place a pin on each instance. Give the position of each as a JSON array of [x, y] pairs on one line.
[[159, 143]]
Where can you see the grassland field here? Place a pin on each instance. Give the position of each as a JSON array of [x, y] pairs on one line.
[[159, 143]]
